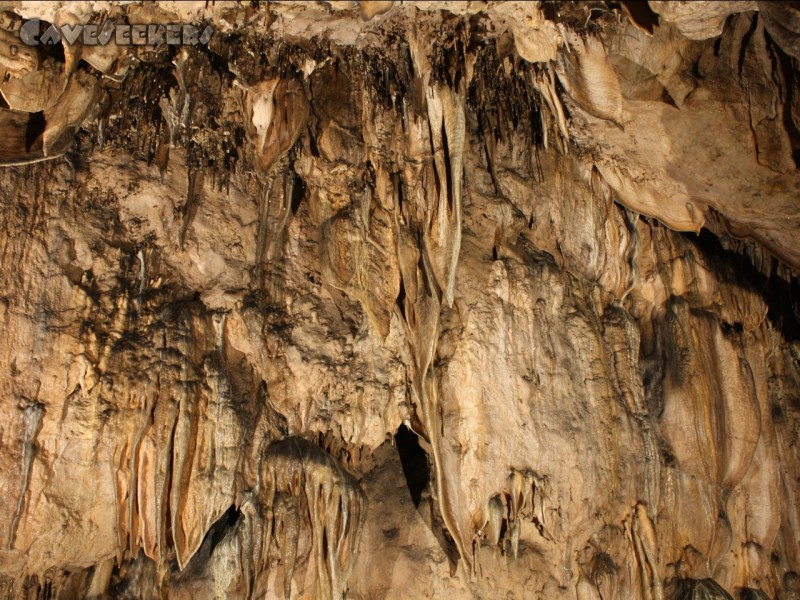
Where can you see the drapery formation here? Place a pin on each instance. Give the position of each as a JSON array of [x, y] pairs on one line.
[[477, 299]]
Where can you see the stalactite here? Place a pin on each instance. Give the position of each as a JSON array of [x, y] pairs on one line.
[[433, 279], [587, 76], [299, 477], [543, 80], [644, 539], [372, 8], [277, 111], [503, 513], [449, 211], [192, 202], [32, 421], [414, 213], [175, 107]]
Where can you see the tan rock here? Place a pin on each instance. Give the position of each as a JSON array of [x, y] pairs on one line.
[[408, 300]]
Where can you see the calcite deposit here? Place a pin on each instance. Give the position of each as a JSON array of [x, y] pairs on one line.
[[401, 300]]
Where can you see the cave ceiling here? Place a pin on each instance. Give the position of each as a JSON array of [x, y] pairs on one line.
[[400, 299]]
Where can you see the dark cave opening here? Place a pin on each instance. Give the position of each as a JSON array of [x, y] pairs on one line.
[[641, 14], [217, 532], [223, 525], [298, 191], [34, 130], [781, 294], [414, 461]]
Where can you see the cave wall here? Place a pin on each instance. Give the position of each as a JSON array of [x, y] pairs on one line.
[[431, 300]]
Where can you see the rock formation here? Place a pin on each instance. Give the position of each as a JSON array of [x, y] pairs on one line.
[[401, 300]]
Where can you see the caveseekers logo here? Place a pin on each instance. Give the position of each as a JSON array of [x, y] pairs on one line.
[[123, 35]]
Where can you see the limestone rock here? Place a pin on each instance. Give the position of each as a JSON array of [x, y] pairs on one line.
[[408, 300]]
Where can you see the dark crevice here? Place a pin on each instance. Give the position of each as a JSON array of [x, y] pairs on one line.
[[215, 534], [298, 192], [437, 181], [641, 13], [781, 295], [221, 526], [689, 589], [397, 181], [746, 43], [752, 594], [448, 170], [414, 461], [732, 327], [312, 140], [401, 300], [50, 43], [550, 10], [35, 129]]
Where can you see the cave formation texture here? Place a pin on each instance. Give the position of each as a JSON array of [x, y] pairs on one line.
[[485, 300]]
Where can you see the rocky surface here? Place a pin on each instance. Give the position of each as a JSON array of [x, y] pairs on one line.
[[402, 300]]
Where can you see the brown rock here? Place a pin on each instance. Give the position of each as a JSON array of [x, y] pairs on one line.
[[408, 300]]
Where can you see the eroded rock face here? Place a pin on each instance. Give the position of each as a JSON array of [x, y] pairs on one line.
[[414, 300]]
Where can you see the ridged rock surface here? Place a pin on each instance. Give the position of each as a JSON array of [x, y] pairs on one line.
[[402, 300]]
